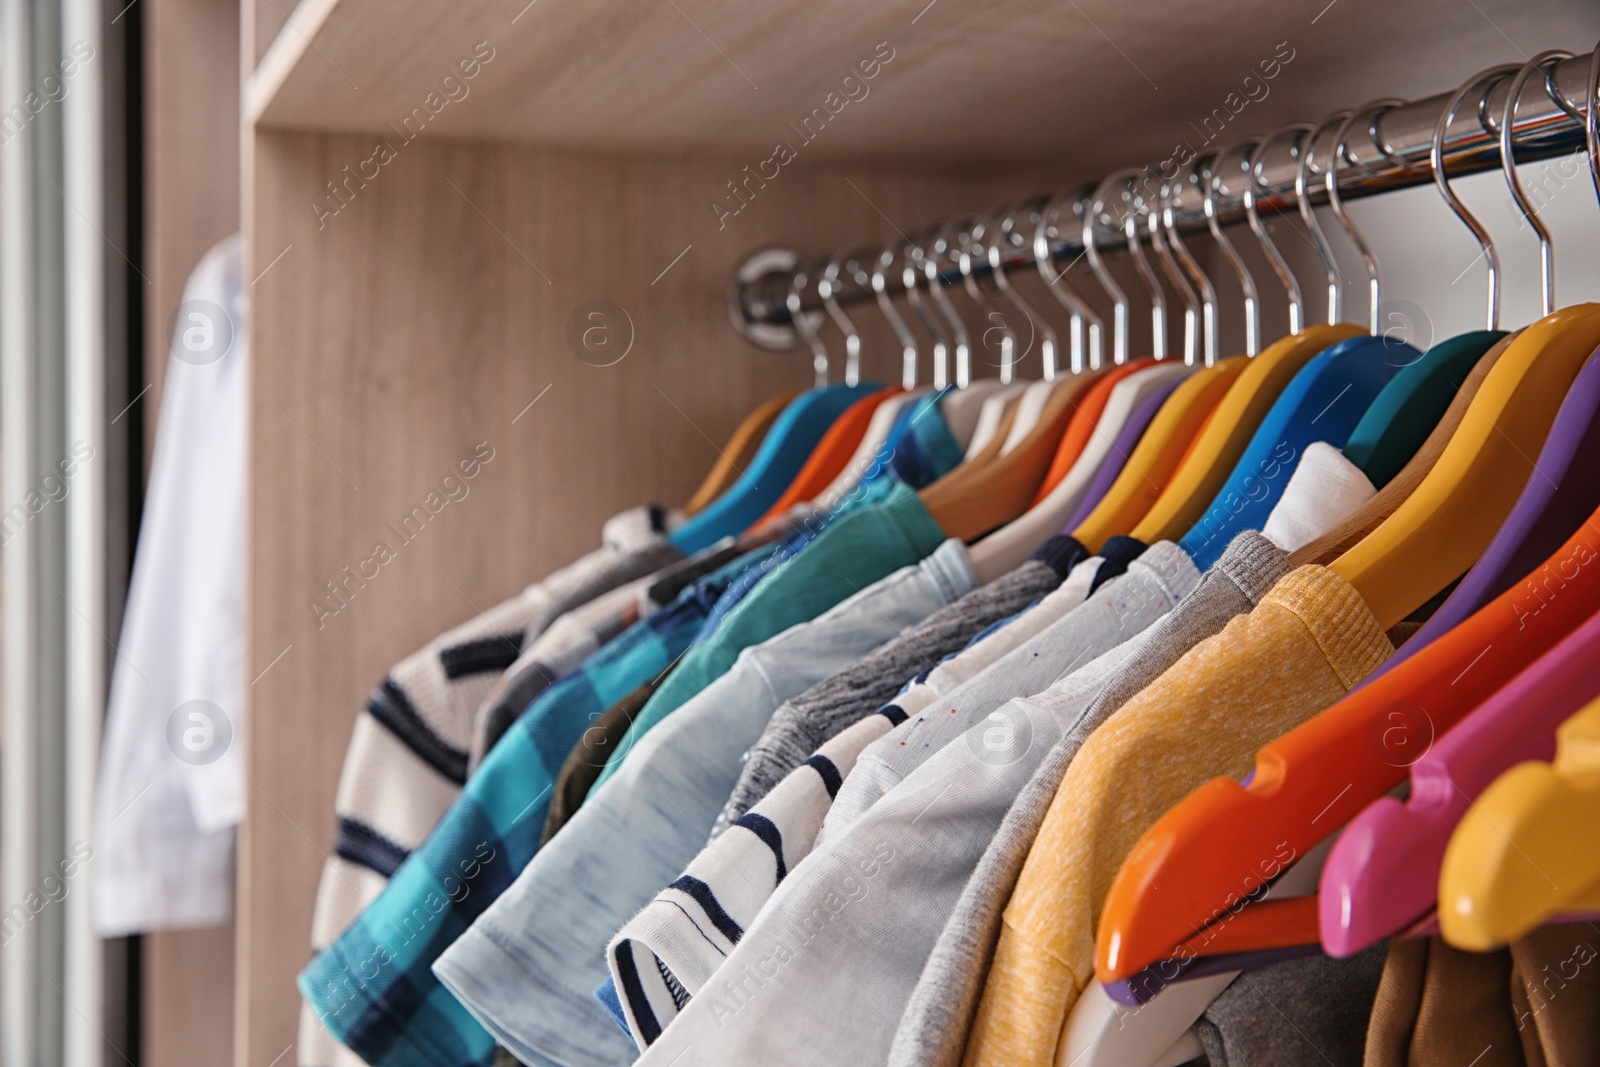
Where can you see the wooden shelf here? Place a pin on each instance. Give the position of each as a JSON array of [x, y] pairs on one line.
[[1085, 85]]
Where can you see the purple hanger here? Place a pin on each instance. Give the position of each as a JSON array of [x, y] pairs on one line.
[[1121, 449], [1142, 987], [1549, 511]]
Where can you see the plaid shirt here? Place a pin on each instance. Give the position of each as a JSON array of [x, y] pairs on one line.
[[372, 988]]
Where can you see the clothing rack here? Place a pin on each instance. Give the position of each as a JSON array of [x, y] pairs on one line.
[[1386, 149]]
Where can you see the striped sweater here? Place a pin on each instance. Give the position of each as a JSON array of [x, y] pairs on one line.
[[408, 754]]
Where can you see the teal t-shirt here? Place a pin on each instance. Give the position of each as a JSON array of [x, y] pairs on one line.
[[855, 550]]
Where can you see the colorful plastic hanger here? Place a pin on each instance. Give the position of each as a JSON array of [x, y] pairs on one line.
[[1180, 877], [1402, 415], [1317, 777], [1368, 516], [1162, 447], [1447, 522], [1116, 460], [1383, 874], [736, 454], [785, 449], [1216, 452], [1322, 402], [1529, 849]]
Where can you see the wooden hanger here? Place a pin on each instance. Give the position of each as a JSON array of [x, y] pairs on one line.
[[736, 454]]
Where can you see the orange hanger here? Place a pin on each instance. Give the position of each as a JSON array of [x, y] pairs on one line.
[[831, 455], [1317, 777], [736, 454], [1089, 409]]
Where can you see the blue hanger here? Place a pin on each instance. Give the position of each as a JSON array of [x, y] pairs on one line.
[[1410, 406], [787, 446], [1323, 402], [783, 452]]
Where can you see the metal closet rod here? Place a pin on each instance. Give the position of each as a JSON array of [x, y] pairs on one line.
[[1396, 158]]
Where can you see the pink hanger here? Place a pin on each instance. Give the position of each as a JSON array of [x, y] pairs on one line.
[[1382, 876]]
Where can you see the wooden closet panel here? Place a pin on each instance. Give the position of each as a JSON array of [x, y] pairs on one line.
[[191, 180], [420, 321], [191, 201]]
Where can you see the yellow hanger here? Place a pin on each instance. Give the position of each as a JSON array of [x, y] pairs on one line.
[[1209, 463], [735, 455], [1160, 449], [1201, 476], [1447, 522], [1529, 848]]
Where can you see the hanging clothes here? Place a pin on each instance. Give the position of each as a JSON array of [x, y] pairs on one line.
[[171, 787]]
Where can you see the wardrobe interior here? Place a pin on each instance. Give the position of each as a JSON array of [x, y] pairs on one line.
[[430, 192]]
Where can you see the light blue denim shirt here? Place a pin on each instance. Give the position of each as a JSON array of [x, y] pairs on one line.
[[528, 968]]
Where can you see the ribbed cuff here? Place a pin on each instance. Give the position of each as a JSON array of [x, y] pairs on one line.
[[1061, 553], [1118, 552], [1340, 622], [1254, 564], [922, 532]]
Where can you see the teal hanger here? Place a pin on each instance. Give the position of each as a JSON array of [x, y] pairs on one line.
[[786, 447], [1410, 406], [1323, 402]]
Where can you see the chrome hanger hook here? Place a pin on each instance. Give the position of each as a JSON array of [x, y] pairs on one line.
[[1175, 276], [1488, 79], [1009, 235], [1091, 249], [939, 245], [1152, 284], [1336, 200], [828, 289], [1508, 164], [1247, 281], [805, 325], [1280, 266], [1302, 195], [911, 276], [902, 332], [973, 240], [1208, 291], [1066, 296]]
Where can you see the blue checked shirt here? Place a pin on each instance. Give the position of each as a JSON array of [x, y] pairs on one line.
[[372, 988]]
